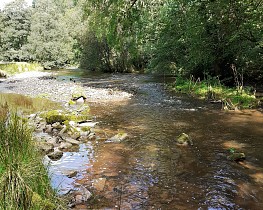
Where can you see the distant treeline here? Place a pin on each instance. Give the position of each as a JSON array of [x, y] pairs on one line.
[[200, 38]]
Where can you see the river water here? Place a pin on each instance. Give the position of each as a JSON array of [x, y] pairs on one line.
[[149, 170]]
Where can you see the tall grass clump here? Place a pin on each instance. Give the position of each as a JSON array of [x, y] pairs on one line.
[[24, 183]]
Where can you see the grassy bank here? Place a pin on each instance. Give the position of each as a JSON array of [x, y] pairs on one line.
[[24, 183], [213, 90], [12, 68]]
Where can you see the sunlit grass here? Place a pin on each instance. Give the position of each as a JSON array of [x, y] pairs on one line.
[[214, 90], [18, 67], [26, 104]]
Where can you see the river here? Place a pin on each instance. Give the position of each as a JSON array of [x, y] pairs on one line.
[[150, 171]]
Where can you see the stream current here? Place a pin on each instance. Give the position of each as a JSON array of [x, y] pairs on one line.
[[149, 171]]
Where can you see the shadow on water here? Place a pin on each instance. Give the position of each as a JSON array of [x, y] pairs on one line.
[[149, 170]]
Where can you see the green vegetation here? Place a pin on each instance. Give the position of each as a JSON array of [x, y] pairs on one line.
[[19, 67], [223, 39], [212, 89], [26, 104], [24, 183]]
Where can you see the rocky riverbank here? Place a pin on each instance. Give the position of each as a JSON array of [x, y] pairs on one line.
[[45, 84], [58, 132]]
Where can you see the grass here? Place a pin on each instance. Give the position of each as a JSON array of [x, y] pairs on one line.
[[27, 104], [19, 67], [24, 183], [212, 89]]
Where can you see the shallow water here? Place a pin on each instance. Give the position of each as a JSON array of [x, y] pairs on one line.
[[149, 170]]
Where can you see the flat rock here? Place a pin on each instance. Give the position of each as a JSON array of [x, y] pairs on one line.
[[62, 130], [118, 137], [65, 145], [87, 124], [72, 141]]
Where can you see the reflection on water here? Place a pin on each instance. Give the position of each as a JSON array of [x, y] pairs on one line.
[[150, 171], [76, 163]]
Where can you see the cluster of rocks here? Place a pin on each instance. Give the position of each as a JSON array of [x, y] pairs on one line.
[[56, 133], [185, 140]]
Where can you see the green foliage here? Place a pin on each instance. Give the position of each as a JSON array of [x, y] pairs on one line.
[[211, 37], [49, 41], [212, 89], [219, 38], [22, 174], [14, 30], [47, 33], [118, 29]]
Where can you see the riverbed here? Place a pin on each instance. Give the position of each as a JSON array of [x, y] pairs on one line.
[[148, 170]]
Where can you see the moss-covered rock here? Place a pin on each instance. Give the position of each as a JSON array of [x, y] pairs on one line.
[[184, 139], [78, 93], [63, 117], [54, 116]]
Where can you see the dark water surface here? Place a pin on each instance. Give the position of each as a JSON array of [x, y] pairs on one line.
[[149, 171]]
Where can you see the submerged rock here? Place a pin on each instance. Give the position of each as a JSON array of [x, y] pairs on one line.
[[118, 137], [70, 174], [237, 156], [99, 184], [184, 139]]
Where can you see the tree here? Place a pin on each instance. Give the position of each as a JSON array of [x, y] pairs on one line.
[[210, 37], [15, 20], [49, 42], [118, 25]]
